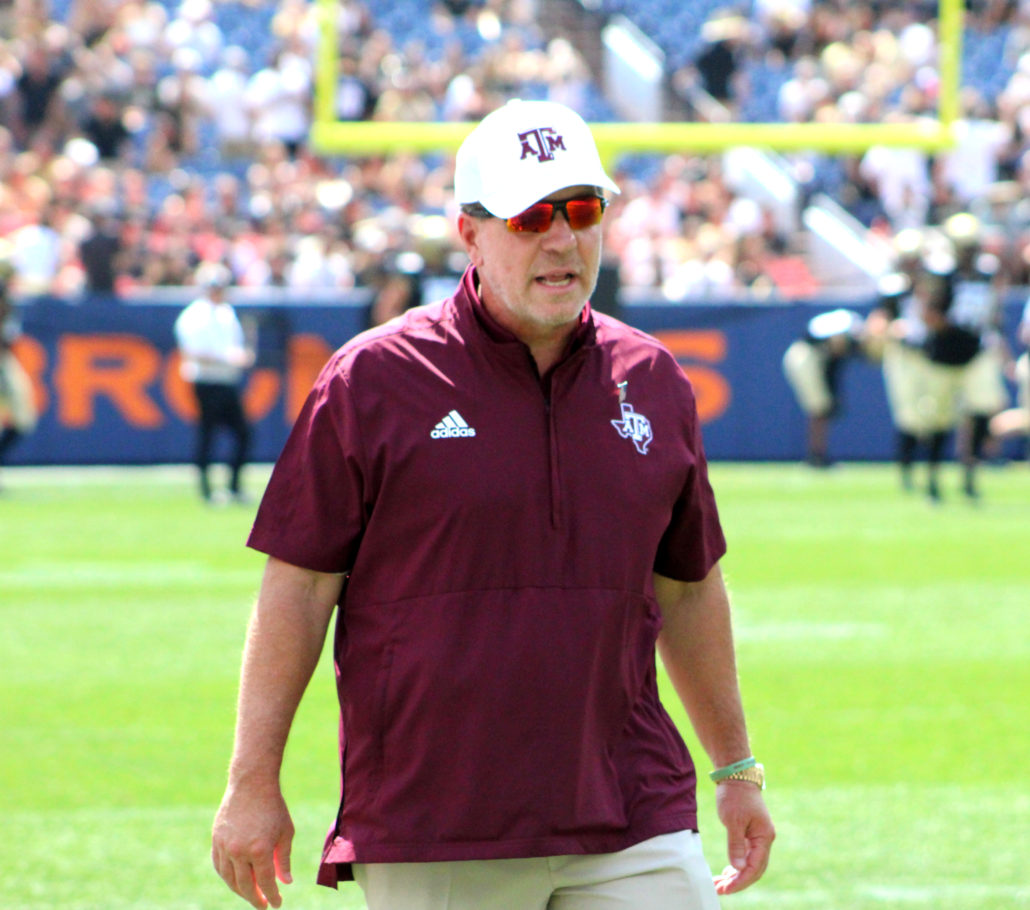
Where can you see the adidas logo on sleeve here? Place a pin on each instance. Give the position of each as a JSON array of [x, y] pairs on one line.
[[452, 425]]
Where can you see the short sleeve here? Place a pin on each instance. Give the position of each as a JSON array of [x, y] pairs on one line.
[[312, 512], [694, 541]]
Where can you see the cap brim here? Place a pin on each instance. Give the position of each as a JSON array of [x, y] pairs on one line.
[[508, 201]]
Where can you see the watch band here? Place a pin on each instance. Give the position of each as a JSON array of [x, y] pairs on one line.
[[753, 775], [726, 770]]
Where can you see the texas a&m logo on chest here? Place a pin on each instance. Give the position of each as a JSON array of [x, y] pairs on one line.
[[541, 143]]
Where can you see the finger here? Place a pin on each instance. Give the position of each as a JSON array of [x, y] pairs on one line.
[[246, 885], [737, 847], [724, 879], [226, 871], [282, 861], [264, 879], [752, 870]]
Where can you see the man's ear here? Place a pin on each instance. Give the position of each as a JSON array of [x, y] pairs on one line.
[[468, 231]]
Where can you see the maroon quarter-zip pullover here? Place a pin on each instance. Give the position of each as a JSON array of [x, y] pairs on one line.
[[495, 642]]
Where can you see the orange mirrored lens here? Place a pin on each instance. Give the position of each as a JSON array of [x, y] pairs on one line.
[[537, 218], [581, 213]]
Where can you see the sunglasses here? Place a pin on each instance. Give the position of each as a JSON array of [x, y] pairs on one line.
[[580, 212]]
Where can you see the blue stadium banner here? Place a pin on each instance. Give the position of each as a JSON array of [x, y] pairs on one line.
[[107, 381]]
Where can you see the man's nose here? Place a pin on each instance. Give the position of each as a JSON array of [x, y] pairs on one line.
[[560, 234]]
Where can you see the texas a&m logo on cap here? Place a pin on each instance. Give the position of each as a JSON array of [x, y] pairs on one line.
[[541, 143]]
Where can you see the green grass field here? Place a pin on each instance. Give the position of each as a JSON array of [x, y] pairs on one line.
[[883, 647]]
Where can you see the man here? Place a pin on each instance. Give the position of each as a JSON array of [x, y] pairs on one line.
[[214, 357], [812, 366], [105, 127], [100, 251], [897, 333], [976, 313], [506, 496], [952, 349]]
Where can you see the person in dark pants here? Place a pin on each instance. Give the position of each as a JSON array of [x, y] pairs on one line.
[[214, 357]]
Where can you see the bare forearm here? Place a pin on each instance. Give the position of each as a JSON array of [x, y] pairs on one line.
[[696, 647], [284, 642]]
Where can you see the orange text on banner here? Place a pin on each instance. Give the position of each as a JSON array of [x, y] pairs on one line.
[[129, 372], [118, 367], [712, 390]]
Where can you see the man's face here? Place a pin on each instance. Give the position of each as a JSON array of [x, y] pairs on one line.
[[535, 285]]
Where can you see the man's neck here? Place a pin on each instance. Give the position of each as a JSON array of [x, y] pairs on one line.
[[548, 351], [547, 344]]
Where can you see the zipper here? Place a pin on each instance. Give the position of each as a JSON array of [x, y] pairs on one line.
[[546, 389], [553, 467]]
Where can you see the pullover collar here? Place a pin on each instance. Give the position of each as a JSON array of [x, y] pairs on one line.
[[472, 315]]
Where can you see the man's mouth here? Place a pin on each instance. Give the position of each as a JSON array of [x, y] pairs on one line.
[[556, 279]]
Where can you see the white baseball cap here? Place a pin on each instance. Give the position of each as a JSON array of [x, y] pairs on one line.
[[525, 151]]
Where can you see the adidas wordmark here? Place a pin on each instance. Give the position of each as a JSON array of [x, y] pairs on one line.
[[452, 425]]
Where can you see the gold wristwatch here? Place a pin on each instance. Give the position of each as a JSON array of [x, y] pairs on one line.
[[755, 775]]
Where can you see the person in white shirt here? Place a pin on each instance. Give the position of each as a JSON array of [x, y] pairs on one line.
[[225, 101], [901, 180], [215, 356], [277, 98]]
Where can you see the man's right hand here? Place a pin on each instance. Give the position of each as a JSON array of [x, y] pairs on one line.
[[250, 844], [253, 832]]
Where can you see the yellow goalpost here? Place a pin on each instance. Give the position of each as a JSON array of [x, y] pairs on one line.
[[334, 137]]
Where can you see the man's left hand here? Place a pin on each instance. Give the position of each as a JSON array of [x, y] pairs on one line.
[[749, 833]]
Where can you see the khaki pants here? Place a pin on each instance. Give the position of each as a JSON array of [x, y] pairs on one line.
[[668, 872], [805, 369], [983, 384], [905, 371], [17, 406]]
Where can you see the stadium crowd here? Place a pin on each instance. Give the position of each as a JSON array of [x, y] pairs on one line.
[[142, 138]]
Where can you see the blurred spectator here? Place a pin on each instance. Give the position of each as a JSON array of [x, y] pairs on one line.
[[900, 178], [180, 105], [804, 93], [224, 103], [36, 256], [973, 166], [106, 129], [567, 74], [719, 61], [91, 19], [194, 33], [277, 100], [38, 95], [100, 251], [355, 95], [395, 281]]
